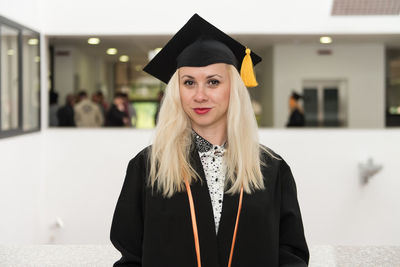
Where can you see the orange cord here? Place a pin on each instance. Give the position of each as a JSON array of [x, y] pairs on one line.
[[236, 226], [194, 224]]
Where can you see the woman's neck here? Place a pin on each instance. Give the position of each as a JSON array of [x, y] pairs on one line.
[[214, 135]]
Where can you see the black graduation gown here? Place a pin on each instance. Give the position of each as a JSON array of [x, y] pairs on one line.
[[152, 231], [296, 119], [115, 117]]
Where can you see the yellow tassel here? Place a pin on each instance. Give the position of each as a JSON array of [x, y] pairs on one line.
[[247, 72]]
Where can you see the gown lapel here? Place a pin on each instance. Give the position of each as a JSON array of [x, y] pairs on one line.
[[212, 246], [204, 215], [227, 227]]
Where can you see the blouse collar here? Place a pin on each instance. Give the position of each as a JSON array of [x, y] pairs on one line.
[[203, 145]]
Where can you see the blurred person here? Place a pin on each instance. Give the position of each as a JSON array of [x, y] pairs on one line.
[[206, 184], [87, 113], [296, 118], [53, 97], [98, 98], [117, 115], [129, 109], [65, 114]]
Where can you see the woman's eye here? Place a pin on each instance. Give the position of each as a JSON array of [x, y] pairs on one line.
[[188, 82], [213, 82]]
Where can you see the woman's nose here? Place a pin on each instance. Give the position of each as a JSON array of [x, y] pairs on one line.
[[201, 95]]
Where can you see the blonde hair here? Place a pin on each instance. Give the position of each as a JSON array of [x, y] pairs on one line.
[[169, 158]]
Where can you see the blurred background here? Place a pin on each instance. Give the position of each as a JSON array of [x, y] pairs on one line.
[[328, 102]]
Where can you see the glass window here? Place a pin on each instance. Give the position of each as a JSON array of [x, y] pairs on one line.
[[30, 80], [324, 103], [9, 78], [104, 72], [393, 87], [19, 79]]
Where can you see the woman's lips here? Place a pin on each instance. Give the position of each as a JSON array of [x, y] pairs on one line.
[[201, 110]]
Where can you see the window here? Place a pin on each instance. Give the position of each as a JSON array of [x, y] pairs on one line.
[[324, 103], [393, 87], [9, 78], [31, 80], [104, 71], [20, 79]]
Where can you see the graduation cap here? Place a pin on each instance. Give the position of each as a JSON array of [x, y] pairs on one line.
[[296, 96], [198, 43]]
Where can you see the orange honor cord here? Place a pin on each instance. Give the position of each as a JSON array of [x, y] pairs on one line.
[[236, 226], [194, 224]]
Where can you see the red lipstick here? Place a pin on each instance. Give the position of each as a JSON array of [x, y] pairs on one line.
[[201, 110]]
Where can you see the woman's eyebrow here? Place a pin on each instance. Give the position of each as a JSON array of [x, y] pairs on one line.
[[190, 77], [210, 76]]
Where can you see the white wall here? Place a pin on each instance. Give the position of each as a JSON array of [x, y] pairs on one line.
[[165, 17], [85, 171], [361, 65], [336, 208], [26, 12], [64, 70], [21, 188], [77, 69], [91, 71]]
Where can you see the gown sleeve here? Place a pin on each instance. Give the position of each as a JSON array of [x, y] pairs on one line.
[[127, 224], [293, 250]]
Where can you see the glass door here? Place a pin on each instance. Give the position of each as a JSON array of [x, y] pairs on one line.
[[324, 103]]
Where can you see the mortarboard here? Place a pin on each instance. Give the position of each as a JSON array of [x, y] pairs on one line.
[[296, 96], [198, 43]]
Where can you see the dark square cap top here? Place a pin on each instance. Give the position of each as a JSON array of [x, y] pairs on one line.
[[198, 43]]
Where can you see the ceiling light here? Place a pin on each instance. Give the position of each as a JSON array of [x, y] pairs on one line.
[[37, 59], [93, 41], [112, 51], [33, 41], [10, 52], [138, 67], [325, 40], [124, 58]]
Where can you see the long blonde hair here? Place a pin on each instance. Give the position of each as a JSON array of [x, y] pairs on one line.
[[169, 158]]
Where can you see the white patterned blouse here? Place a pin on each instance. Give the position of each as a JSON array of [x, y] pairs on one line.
[[212, 159]]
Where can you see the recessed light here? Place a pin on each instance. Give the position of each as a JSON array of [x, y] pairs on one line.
[[112, 51], [37, 59], [325, 40], [124, 58], [93, 41], [10, 52], [33, 41]]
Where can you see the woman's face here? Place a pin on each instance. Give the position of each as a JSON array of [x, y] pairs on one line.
[[204, 93]]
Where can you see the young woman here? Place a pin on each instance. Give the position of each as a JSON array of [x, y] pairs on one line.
[[206, 193]]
